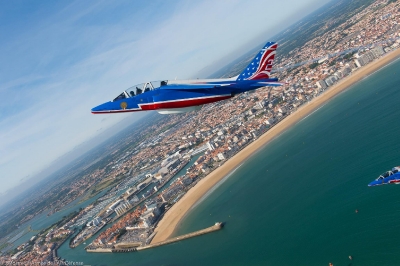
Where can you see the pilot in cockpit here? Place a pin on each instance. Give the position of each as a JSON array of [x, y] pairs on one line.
[[147, 88]]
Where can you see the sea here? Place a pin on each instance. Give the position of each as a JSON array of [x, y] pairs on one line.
[[294, 201]]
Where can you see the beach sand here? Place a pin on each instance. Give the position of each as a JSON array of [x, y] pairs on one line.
[[173, 216]]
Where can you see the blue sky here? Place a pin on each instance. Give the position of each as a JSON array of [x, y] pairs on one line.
[[61, 58]]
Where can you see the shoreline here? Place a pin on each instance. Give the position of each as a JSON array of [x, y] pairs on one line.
[[172, 218]]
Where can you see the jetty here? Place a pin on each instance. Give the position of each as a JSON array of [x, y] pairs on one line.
[[215, 227], [130, 247]]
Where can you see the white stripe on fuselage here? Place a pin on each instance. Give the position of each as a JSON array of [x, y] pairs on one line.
[[185, 99]]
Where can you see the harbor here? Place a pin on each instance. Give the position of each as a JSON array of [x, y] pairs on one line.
[[130, 247]]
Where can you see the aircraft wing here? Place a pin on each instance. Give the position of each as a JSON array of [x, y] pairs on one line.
[[273, 84]]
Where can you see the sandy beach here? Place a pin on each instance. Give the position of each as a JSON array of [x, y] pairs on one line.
[[174, 215]]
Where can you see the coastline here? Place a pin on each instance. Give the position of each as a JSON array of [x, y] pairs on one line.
[[173, 217]]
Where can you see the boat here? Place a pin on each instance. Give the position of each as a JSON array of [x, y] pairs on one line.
[[389, 177]]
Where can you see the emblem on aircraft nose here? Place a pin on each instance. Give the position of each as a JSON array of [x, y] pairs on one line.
[[124, 105]]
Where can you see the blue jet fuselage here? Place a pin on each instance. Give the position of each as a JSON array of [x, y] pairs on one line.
[[177, 96]]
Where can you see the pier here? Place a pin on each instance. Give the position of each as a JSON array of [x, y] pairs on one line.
[[119, 248], [215, 227]]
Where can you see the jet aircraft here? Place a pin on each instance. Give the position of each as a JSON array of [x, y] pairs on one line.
[[389, 177], [179, 96]]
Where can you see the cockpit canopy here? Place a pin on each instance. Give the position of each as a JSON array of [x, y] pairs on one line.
[[386, 174], [140, 88]]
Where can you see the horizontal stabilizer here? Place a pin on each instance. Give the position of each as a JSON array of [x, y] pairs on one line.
[[273, 84]]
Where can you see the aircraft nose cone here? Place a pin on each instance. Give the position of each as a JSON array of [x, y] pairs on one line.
[[95, 109], [98, 109], [374, 183]]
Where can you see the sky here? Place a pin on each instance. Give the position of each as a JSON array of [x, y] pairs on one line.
[[61, 58]]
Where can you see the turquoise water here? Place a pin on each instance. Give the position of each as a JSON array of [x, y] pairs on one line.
[[294, 201]]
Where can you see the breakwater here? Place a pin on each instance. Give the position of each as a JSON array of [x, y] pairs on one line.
[[215, 227]]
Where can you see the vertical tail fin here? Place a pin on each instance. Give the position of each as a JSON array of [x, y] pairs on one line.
[[261, 66]]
